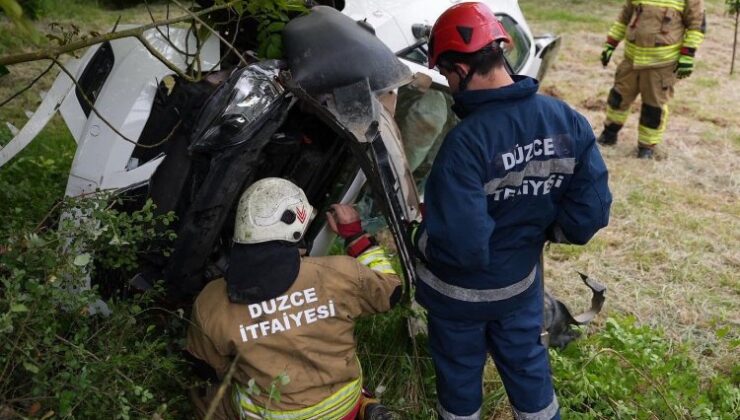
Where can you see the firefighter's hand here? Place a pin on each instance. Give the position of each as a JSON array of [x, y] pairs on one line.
[[684, 66], [344, 220], [606, 55]]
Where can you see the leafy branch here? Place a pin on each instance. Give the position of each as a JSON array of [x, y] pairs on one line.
[[138, 32]]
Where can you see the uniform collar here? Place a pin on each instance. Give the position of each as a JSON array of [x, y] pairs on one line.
[[469, 101], [262, 271]]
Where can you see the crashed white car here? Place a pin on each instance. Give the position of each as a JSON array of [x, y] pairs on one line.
[[192, 147], [123, 80], [353, 105]]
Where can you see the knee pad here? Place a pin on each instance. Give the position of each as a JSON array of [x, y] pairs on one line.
[[612, 128], [651, 116], [615, 99]]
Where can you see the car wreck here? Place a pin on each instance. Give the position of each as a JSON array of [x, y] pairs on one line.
[[351, 115]]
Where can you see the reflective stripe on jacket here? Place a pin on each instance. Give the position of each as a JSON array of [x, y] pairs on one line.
[[336, 406], [655, 31]]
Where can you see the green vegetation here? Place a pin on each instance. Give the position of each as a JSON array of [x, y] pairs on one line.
[[31, 185], [572, 15], [64, 353], [396, 368], [627, 371], [618, 371]]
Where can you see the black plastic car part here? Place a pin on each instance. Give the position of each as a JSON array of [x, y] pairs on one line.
[[239, 108], [222, 160], [326, 49], [337, 69], [202, 186], [172, 119], [249, 128], [229, 171]]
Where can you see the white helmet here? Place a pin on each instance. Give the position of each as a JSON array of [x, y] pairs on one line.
[[272, 209]]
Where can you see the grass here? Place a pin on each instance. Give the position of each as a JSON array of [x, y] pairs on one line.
[[567, 15], [35, 180]]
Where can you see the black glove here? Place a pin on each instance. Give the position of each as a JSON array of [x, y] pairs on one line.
[[609, 46]]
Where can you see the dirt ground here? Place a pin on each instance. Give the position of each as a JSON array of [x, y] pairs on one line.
[[671, 254]]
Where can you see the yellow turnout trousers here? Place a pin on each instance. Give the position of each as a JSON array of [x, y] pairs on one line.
[[655, 86]]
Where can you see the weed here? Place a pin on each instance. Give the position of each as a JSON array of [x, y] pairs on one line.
[[35, 179], [62, 350], [396, 367], [630, 371]]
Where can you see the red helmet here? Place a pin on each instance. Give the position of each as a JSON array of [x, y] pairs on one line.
[[465, 28]]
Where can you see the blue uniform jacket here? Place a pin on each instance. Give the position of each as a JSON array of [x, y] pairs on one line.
[[519, 169]]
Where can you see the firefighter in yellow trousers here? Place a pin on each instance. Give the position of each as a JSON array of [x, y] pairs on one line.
[[661, 38]]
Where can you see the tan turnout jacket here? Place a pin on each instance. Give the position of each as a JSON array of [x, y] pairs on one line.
[[306, 334], [656, 30]]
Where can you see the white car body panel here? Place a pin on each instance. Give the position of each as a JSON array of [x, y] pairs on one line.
[[323, 240], [102, 160], [46, 110], [393, 19], [437, 78]]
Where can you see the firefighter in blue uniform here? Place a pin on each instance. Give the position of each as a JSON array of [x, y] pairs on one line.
[[520, 169]]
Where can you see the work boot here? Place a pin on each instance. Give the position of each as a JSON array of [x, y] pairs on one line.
[[645, 152], [608, 137]]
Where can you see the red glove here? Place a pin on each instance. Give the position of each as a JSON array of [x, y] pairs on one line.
[[349, 230], [344, 220]]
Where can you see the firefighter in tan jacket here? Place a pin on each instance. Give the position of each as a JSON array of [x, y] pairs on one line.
[[661, 38], [289, 321]]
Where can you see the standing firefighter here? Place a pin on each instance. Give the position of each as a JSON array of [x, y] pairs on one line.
[[661, 39], [288, 322], [518, 169]]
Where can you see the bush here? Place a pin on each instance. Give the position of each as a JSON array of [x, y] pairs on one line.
[[628, 371], [61, 352], [34, 8]]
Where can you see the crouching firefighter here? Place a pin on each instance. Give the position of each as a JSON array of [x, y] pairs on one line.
[[520, 168], [286, 322]]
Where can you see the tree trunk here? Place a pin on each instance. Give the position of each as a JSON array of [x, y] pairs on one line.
[[734, 43]]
